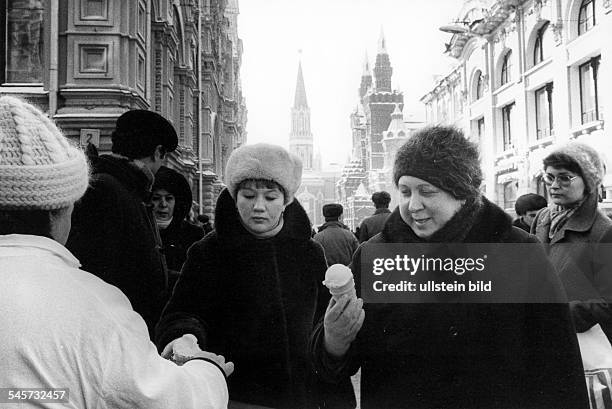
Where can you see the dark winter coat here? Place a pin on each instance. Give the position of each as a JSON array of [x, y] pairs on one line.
[[581, 252], [115, 237], [255, 302], [338, 242], [464, 356], [520, 223], [371, 226]]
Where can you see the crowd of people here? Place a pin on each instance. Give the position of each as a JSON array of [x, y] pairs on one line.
[[110, 289]]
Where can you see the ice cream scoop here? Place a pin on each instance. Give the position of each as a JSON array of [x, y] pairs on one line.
[[339, 280]]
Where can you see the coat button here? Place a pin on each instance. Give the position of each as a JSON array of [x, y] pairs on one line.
[[453, 331]]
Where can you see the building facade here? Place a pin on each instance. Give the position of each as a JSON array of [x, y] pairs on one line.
[[529, 75], [87, 61]]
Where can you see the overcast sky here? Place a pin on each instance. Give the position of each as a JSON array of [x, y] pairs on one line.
[[334, 36]]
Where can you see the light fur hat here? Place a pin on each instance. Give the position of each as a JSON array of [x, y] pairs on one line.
[[587, 158], [266, 162], [39, 167]]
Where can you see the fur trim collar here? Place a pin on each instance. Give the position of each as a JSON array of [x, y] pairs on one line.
[[132, 176], [228, 226]]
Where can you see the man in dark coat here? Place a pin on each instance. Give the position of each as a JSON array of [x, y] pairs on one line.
[[335, 238], [171, 203], [371, 226], [113, 232]]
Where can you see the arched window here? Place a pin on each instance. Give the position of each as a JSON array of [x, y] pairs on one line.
[[506, 68], [541, 49], [479, 86], [586, 16]]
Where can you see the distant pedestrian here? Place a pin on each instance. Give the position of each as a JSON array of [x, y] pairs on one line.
[[204, 221], [171, 201], [371, 226], [113, 231], [337, 240], [63, 327], [526, 207]]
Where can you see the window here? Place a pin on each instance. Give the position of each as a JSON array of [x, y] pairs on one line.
[[586, 16], [507, 125], [479, 86], [510, 189], [480, 129], [542, 46], [541, 187], [22, 40], [544, 117], [506, 70], [589, 96]]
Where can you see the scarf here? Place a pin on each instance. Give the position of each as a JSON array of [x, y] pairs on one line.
[[163, 224], [559, 215]]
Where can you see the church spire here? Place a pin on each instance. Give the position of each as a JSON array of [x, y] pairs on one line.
[[367, 72], [300, 91], [382, 68], [382, 43], [366, 77]]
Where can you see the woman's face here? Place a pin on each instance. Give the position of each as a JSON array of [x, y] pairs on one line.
[[425, 207], [163, 204], [564, 194], [260, 208]]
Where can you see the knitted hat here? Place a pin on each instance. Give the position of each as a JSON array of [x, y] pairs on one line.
[[588, 160], [266, 162], [39, 168], [138, 132], [442, 156], [333, 210]]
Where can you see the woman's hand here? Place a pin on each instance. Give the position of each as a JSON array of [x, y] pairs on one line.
[[343, 320], [181, 348]]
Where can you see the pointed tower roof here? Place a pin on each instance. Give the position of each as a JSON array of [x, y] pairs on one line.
[[300, 91], [382, 44], [397, 124], [367, 72]]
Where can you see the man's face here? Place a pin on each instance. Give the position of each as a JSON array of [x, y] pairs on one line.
[[530, 216]]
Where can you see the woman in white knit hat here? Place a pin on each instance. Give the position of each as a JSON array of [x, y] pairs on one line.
[[252, 289], [63, 327]]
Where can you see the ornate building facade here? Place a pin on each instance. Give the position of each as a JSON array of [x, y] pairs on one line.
[[88, 61], [529, 75]]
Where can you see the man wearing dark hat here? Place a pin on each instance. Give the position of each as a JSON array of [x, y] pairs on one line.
[[526, 207], [371, 226], [113, 233], [335, 238]]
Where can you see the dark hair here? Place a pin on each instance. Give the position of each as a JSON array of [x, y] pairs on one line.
[[562, 160], [381, 199], [32, 222], [529, 202], [203, 218], [262, 184]]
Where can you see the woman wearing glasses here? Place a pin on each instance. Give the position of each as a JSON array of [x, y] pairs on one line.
[[578, 233]]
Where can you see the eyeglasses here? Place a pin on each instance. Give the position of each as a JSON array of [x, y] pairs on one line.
[[563, 180]]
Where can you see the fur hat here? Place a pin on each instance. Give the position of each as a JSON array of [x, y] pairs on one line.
[[332, 210], [39, 168], [138, 132], [442, 156], [266, 162], [590, 164]]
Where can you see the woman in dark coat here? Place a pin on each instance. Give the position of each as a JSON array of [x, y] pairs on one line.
[[253, 287], [578, 233], [171, 201], [460, 350]]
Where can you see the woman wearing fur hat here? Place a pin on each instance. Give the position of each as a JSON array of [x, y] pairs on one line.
[[252, 288], [62, 327], [574, 227], [462, 350], [171, 199]]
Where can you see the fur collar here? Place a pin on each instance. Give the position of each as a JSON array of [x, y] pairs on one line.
[[487, 224], [228, 226], [132, 176], [333, 224]]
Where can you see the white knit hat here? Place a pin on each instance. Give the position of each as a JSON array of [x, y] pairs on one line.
[[39, 168], [266, 162]]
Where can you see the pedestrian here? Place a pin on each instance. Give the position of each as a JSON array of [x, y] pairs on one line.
[[113, 230], [526, 207], [63, 327], [204, 221], [371, 226], [335, 238], [171, 201], [252, 288], [574, 229], [452, 352]]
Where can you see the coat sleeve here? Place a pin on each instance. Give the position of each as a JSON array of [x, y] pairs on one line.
[[363, 232], [196, 302], [135, 376]]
